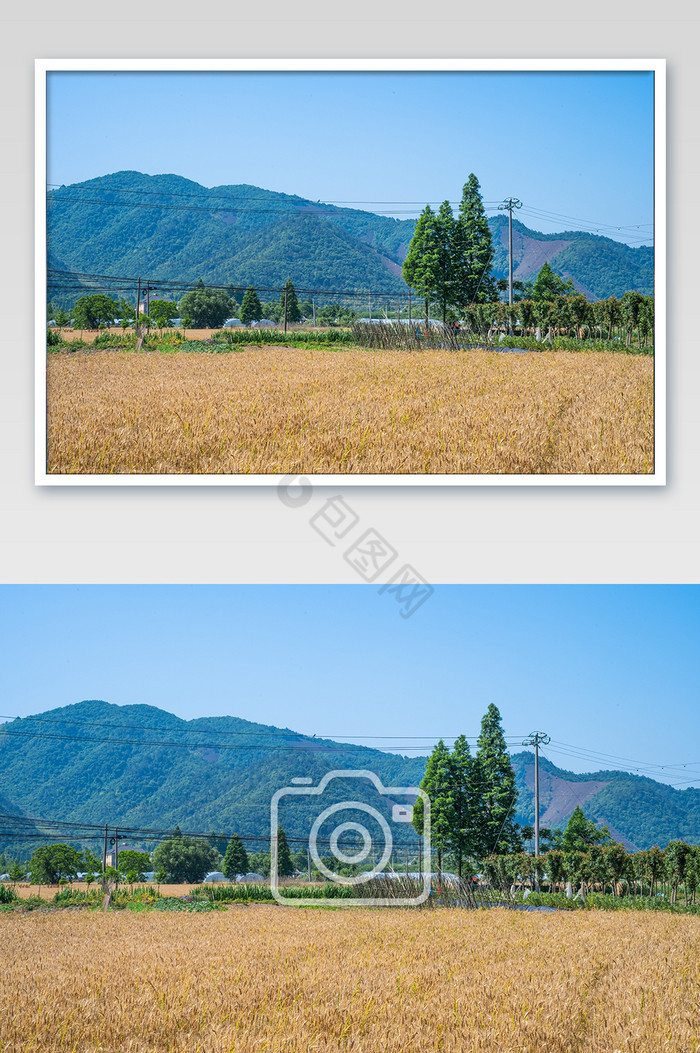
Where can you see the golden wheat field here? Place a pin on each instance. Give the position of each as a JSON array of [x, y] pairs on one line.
[[281, 410], [394, 981]]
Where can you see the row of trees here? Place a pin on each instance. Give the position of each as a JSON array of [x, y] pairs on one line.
[[571, 314], [472, 797], [605, 867], [450, 261], [201, 307], [178, 859]]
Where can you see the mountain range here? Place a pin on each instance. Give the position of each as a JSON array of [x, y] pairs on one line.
[[168, 228], [140, 766]]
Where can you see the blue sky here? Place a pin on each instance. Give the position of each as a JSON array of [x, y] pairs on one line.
[[575, 147], [599, 668]]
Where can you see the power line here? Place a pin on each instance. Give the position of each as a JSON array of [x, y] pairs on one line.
[[306, 206], [169, 284], [218, 731], [311, 745], [80, 831], [585, 753], [590, 222], [584, 228], [320, 742], [243, 197]]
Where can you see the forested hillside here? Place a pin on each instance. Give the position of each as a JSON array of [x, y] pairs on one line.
[[166, 227], [640, 811], [141, 766]]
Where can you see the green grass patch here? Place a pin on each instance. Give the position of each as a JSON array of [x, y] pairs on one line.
[[600, 901], [567, 343], [7, 895]]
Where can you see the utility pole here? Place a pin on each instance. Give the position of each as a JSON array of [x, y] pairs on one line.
[[536, 739], [369, 295], [104, 852], [409, 307], [510, 204], [313, 307], [285, 310], [138, 305]]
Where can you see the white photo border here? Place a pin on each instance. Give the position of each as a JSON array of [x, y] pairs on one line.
[[656, 66]]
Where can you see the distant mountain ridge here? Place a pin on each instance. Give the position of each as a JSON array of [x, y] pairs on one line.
[[169, 228], [93, 763]]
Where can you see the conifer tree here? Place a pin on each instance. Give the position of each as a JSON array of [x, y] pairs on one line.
[[251, 308], [446, 259], [474, 248], [580, 833], [437, 784], [466, 806], [498, 787], [548, 285], [285, 867], [430, 266], [236, 858], [420, 268], [293, 312]]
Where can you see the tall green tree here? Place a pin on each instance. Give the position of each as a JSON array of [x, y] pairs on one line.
[[655, 867], [498, 782], [466, 804], [132, 860], [420, 268], [162, 312], [581, 833], [184, 859], [548, 285], [236, 858], [430, 266], [61, 317], [676, 856], [251, 308], [616, 863], [206, 308], [474, 250], [52, 862], [293, 311], [438, 784], [608, 313], [447, 293], [631, 308], [646, 319], [581, 311], [17, 871], [91, 311], [285, 867]]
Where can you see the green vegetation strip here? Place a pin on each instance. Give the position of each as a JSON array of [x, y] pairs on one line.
[[206, 898], [599, 901], [333, 339]]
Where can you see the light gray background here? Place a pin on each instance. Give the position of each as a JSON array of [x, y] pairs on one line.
[[475, 534]]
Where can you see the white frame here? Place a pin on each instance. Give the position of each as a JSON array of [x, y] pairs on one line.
[[657, 66]]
